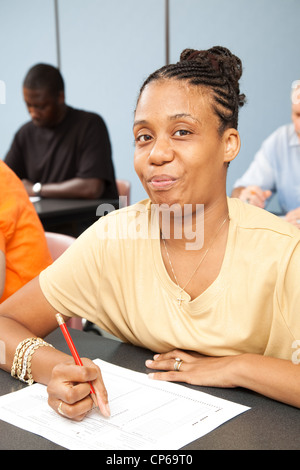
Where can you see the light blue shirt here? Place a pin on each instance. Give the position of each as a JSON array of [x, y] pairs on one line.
[[276, 166]]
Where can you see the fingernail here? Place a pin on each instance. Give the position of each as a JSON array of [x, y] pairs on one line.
[[148, 362], [106, 410], [156, 356], [151, 376]]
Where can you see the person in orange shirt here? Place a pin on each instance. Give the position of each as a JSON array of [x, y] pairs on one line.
[[24, 251]]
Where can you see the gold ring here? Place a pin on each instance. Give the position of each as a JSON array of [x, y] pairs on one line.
[[60, 411], [177, 363]]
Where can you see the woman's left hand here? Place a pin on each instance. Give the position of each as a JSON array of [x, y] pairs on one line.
[[266, 375], [193, 369]]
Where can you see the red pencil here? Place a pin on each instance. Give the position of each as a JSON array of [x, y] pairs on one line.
[[73, 350]]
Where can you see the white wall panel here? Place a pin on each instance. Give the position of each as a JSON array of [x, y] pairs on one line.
[[27, 36]]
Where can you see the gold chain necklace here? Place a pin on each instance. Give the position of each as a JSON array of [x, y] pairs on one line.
[[179, 298]]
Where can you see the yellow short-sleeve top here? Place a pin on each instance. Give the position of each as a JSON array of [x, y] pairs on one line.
[[114, 276]]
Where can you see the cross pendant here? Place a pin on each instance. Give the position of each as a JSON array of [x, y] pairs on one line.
[[179, 300]]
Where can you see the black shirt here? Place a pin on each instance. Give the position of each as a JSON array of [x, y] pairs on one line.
[[78, 147]]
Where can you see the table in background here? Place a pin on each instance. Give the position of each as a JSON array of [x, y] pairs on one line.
[[70, 216], [268, 425]]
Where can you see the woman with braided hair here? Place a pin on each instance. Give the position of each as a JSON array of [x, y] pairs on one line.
[[207, 282]]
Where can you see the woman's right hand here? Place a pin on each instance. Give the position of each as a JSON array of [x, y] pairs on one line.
[[69, 390]]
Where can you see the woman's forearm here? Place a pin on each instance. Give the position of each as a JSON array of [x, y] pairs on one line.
[[44, 359], [275, 378]]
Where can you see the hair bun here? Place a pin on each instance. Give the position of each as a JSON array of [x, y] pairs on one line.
[[222, 61], [220, 58], [189, 54]]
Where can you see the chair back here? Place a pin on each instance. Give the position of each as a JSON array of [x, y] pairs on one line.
[[57, 244]]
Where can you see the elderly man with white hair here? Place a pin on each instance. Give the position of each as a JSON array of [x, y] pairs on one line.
[[276, 167]]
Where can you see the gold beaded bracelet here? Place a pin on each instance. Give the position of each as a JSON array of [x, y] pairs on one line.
[[21, 367], [25, 343]]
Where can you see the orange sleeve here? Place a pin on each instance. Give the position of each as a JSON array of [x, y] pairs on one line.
[[22, 236]]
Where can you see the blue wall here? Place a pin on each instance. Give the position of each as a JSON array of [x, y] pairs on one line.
[[265, 35], [27, 36], [109, 47]]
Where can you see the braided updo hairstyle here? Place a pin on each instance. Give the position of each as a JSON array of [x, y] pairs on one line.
[[217, 69]]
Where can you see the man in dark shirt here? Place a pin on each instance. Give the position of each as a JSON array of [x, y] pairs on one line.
[[62, 152]]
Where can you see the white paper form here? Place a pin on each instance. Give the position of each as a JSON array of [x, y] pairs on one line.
[[145, 414]]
